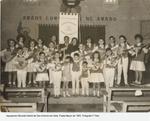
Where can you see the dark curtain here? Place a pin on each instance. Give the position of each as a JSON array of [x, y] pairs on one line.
[[93, 31], [47, 31]]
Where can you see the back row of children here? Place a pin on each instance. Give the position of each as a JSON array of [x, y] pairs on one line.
[[75, 63]]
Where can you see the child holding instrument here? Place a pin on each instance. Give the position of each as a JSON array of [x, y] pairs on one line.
[[50, 52], [123, 61], [110, 63], [8, 57], [66, 75], [96, 74], [81, 51], [76, 72], [100, 48], [89, 46], [31, 65], [137, 63], [21, 44], [85, 74], [40, 46], [21, 65], [56, 73], [41, 68]]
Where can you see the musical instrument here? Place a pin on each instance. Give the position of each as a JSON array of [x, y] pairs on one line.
[[42, 67], [58, 67], [21, 63], [112, 61], [95, 66], [8, 56], [135, 49]]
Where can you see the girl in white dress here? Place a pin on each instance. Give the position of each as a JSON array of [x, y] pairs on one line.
[[41, 68], [31, 65], [137, 63], [8, 58], [66, 75], [96, 74]]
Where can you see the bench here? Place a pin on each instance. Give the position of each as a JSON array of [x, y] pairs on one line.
[[39, 91], [112, 103], [44, 96], [134, 106], [18, 107]]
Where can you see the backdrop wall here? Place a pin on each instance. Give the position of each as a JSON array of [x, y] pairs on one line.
[[123, 18]]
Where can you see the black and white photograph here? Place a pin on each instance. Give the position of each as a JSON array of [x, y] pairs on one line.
[[88, 56]]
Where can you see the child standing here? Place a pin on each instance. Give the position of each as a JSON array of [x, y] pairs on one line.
[[66, 75], [81, 51], [40, 46], [31, 65], [8, 57], [21, 65], [123, 60], [96, 74], [110, 64], [41, 68], [137, 63], [76, 72], [56, 74], [85, 74], [51, 50], [89, 46]]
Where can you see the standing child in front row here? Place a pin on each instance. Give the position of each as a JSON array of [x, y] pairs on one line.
[[21, 65], [41, 68], [31, 63], [85, 74], [8, 58], [110, 64], [96, 74], [56, 73], [66, 75], [76, 72], [137, 64]]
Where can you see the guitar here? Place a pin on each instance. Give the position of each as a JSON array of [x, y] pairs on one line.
[[8, 56], [21, 63], [112, 61], [42, 67]]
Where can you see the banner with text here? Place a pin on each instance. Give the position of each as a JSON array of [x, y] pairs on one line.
[[68, 26]]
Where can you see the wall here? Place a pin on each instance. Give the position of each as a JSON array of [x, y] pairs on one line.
[[129, 13]]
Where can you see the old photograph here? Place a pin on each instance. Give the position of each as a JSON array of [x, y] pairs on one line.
[[75, 56]]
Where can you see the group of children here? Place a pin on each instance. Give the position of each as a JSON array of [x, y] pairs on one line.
[[74, 62]]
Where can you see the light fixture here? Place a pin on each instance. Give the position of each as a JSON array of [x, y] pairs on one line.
[[110, 1], [31, 0]]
